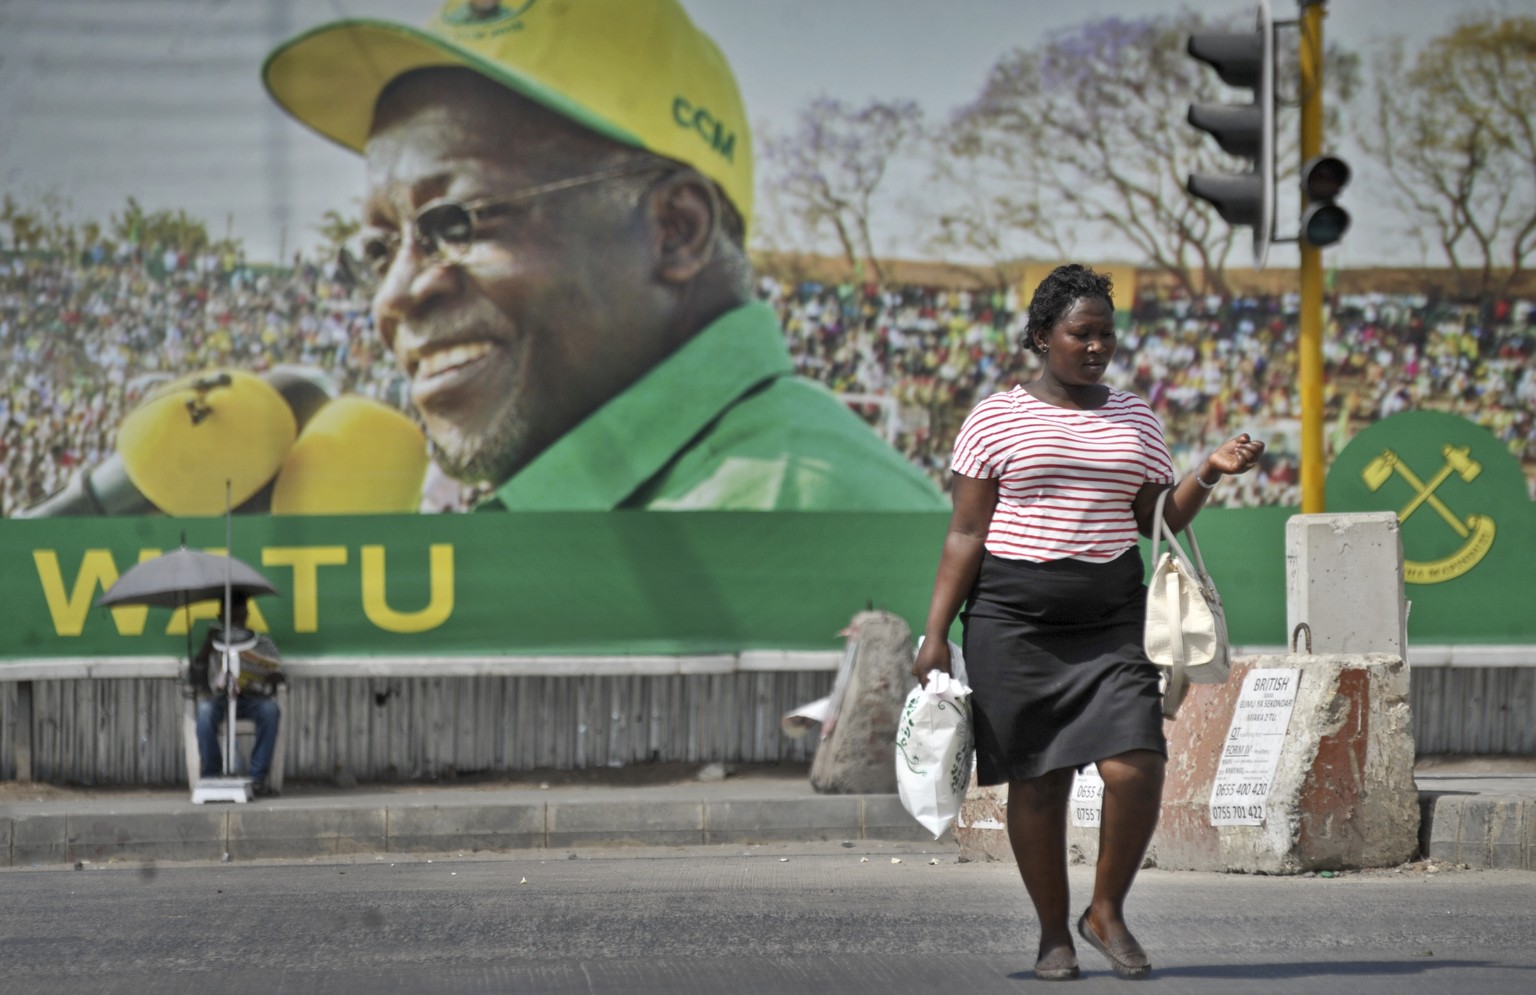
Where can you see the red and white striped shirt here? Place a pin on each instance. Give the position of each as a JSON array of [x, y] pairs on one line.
[[1066, 478]]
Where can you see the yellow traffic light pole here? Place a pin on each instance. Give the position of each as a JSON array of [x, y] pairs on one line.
[[1313, 461]]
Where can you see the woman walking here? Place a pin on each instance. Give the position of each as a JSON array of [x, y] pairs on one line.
[[1053, 482]]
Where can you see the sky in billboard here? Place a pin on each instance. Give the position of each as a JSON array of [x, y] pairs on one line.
[[159, 99]]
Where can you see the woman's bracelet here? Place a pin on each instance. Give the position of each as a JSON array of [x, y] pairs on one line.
[[1201, 480]]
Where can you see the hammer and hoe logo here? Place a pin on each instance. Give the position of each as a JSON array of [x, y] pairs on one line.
[[1448, 480], [484, 12]]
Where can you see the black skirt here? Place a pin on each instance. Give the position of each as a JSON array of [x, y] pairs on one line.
[[1053, 653]]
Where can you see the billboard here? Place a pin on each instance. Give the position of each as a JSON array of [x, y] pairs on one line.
[[185, 334]]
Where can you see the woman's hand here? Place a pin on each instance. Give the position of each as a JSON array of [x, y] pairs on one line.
[[1238, 454], [932, 655]]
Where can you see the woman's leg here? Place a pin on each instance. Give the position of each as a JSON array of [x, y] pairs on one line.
[[1133, 794], [1037, 833]]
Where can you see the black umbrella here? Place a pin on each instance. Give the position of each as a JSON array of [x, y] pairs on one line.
[[184, 577]]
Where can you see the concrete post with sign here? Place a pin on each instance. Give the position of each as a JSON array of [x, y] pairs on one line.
[[1300, 761], [1344, 584]]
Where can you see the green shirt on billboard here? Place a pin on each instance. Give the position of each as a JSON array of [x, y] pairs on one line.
[[723, 424]]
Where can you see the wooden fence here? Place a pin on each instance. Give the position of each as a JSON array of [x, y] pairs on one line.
[[129, 731], [384, 727], [1474, 710]]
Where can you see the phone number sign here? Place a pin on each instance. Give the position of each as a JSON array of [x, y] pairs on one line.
[[1252, 749], [1087, 798]]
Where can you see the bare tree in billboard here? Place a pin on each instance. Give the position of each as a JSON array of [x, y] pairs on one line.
[[1074, 134], [1452, 127], [827, 171]]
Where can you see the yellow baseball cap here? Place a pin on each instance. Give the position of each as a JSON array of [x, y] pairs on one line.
[[636, 71]]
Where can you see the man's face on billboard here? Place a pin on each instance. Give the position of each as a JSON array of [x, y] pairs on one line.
[[512, 321]]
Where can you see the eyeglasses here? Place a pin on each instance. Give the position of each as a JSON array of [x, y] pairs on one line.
[[445, 232]]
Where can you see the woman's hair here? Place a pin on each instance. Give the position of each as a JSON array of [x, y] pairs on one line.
[[1065, 286]]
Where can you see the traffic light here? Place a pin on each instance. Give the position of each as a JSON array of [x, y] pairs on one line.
[[1246, 60], [1322, 221]]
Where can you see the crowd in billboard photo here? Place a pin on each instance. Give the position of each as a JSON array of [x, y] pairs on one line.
[[86, 335]]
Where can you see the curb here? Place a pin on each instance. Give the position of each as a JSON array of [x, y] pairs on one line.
[[256, 831], [1484, 832], [1480, 831]]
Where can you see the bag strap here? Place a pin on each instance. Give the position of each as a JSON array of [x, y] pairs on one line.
[[1194, 547], [1161, 531], [1178, 683]]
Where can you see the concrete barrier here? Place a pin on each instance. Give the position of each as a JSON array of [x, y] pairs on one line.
[[857, 751], [1342, 794], [1344, 582]]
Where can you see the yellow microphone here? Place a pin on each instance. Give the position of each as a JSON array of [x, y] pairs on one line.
[[192, 435], [356, 456], [108, 488]]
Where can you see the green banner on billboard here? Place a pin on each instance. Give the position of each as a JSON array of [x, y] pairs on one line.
[[540, 584], [627, 583], [557, 583]]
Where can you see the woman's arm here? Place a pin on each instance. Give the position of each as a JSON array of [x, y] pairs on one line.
[[1237, 455], [959, 563]]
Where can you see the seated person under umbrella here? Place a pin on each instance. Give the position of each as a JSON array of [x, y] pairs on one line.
[[261, 670]]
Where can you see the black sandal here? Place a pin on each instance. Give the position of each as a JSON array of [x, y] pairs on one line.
[[1130, 962], [1058, 965]]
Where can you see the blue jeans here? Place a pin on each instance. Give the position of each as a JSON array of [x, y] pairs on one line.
[[211, 714]]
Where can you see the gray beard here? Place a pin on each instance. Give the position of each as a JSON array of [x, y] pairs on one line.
[[493, 459]]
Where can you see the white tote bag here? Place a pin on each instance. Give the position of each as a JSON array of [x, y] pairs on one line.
[[1186, 626], [935, 746]]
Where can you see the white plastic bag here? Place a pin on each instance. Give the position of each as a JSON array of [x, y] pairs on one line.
[[934, 747]]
